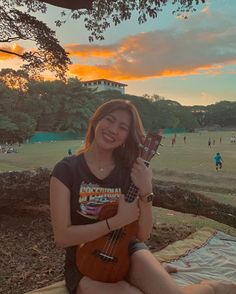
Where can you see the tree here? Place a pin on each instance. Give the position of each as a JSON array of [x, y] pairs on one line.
[[105, 12], [16, 25], [14, 79], [16, 127], [221, 113], [72, 4]]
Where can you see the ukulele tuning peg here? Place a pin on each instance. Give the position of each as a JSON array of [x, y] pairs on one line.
[[157, 153], [161, 145]]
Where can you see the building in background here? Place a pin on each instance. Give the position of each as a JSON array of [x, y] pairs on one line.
[[104, 85]]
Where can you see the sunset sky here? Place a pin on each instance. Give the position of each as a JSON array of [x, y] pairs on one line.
[[191, 61]]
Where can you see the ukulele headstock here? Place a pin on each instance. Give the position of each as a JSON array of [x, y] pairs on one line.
[[150, 145]]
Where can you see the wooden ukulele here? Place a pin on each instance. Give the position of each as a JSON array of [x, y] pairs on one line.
[[106, 259]]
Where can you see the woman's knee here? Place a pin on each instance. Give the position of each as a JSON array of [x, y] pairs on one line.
[[84, 286], [89, 286]]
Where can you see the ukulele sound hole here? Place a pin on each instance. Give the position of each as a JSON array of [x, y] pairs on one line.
[[104, 256]]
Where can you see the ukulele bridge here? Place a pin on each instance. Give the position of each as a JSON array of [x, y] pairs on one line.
[[104, 256]]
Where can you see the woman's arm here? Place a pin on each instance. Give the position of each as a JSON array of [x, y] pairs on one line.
[[66, 234], [145, 221], [142, 178]]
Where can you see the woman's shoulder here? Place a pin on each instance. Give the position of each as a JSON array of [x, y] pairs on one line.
[[65, 169], [68, 162]]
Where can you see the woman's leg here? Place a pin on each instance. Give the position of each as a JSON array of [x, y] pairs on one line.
[[220, 287], [88, 286], [147, 274], [215, 287]]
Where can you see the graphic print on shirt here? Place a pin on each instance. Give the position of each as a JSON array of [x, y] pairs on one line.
[[92, 198]]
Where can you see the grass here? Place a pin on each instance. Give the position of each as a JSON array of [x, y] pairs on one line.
[[166, 216], [189, 165], [36, 155]]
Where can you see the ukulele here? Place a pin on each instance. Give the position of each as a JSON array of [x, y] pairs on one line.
[[107, 259]]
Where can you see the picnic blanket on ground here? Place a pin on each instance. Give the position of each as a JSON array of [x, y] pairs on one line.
[[216, 260], [205, 254]]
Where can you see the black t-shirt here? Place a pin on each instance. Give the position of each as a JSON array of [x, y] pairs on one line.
[[88, 195]]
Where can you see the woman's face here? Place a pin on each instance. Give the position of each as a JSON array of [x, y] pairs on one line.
[[113, 129]]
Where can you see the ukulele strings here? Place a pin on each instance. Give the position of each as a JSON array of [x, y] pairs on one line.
[[112, 244]]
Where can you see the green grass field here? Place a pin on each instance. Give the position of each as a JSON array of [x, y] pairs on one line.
[[188, 165]]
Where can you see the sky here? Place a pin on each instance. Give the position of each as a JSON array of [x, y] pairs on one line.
[[191, 61]]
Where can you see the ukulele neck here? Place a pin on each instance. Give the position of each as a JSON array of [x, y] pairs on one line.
[[133, 190]]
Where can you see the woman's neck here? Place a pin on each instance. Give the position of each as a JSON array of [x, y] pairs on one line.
[[100, 162], [98, 155]]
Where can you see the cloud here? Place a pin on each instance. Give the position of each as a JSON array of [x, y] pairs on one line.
[[13, 48], [201, 45], [87, 51]]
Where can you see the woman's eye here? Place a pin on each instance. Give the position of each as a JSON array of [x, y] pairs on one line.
[[124, 128], [109, 119]]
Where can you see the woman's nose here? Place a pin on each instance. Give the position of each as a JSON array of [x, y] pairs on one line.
[[114, 128]]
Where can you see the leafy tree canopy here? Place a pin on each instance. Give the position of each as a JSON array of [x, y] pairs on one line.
[[17, 23], [106, 12]]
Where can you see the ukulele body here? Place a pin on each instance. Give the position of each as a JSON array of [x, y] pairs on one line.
[[107, 259]]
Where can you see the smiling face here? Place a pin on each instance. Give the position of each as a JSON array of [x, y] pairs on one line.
[[112, 130], [114, 123]]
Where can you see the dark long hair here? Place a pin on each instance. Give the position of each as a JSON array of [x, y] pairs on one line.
[[127, 154]]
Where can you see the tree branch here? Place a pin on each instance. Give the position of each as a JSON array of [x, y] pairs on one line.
[[10, 52]]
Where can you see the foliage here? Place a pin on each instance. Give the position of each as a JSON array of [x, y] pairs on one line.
[[14, 79], [17, 25], [104, 13], [221, 114], [16, 127], [37, 105]]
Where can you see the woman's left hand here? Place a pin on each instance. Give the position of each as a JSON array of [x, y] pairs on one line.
[[141, 176]]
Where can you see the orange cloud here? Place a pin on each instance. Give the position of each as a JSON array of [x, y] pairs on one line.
[[191, 49], [88, 72], [15, 48], [90, 51]]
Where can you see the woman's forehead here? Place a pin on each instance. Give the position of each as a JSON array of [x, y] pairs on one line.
[[121, 115]]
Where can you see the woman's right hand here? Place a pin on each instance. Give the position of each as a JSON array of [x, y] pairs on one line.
[[127, 213]]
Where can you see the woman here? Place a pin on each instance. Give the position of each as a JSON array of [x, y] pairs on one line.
[[100, 173]]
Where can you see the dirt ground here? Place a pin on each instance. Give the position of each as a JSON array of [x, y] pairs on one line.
[[28, 256]]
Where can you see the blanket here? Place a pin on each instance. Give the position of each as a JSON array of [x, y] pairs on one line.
[[205, 254]]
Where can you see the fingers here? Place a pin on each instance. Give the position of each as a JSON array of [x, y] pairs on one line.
[[138, 166], [123, 201]]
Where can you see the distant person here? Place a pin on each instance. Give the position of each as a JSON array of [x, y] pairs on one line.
[[173, 141], [218, 161], [69, 151], [233, 139], [184, 139], [220, 140], [209, 143]]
